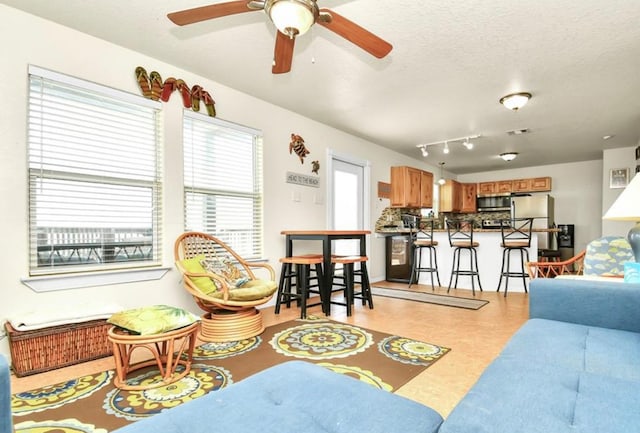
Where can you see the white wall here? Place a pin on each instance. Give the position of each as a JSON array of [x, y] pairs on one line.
[[614, 159], [30, 40], [576, 188]]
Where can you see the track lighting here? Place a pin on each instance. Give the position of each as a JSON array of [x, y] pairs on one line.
[[446, 149]]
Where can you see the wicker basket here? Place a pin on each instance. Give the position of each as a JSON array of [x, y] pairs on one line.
[[57, 346]]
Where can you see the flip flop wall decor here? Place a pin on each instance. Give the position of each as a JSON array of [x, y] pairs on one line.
[[154, 88]]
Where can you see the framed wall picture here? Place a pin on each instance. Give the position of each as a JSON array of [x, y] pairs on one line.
[[618, 178]]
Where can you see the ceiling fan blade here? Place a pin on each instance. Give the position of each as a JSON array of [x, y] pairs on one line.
[[283, 54], [355, 34], [203, 13]]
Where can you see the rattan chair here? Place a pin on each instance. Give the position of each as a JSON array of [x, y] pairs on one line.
[[230, 312]]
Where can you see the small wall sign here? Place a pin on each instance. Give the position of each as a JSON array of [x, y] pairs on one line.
[[618, 178], [303, 179]]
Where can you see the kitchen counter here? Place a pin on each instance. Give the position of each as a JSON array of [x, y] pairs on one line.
[[489, 257], [407, 231]]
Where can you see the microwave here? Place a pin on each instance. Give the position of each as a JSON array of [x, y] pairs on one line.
[[493, 202]]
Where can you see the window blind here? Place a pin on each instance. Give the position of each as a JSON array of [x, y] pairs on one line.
[[223, 182], [94, 176]]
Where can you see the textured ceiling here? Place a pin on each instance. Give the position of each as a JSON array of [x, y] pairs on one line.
[[451, 63]]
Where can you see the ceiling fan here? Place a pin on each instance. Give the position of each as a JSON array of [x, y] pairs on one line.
[[292, 18]]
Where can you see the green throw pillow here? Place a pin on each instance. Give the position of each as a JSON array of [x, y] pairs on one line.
[[250, 291], [155, 319], [194, 265]]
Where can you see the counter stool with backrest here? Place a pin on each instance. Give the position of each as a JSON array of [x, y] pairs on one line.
[[421, 240], [516, 236], [303, 281], [460, 233]]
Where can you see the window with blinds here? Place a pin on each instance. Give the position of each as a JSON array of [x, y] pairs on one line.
[[94, 176], [223, 182]]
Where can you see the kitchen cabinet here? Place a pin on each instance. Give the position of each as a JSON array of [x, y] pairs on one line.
[[535, 184], [469, 192], [451, 196], [411, 187], [496, 187], [426, 189]]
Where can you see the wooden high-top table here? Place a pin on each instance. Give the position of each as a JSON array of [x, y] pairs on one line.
[[327, 237]]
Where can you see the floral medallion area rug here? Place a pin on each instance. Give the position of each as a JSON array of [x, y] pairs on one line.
[[92, 404]]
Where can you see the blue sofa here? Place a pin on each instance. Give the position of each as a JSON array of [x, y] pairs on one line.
[[294, 396], [573, 367], [5, 397]]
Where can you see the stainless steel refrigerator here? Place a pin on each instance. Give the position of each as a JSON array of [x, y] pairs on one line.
[[540, 208]]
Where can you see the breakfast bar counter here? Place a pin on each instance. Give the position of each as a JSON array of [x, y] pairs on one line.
[[489, 258]]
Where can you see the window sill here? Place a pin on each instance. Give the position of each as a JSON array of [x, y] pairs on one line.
[[65, 282]]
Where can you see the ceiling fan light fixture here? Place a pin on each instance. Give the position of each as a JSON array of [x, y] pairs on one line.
[[509, 156], [515, 101], [292, 17]]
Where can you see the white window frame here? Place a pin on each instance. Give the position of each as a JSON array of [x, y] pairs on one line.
[[216, 200], [43, 277]]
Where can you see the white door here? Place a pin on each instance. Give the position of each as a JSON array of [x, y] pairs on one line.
[[348, 199]]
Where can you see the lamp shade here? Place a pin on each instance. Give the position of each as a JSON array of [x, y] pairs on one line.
[[627, 205], [292, 17]]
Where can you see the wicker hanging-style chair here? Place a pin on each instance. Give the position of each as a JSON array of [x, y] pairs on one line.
[[230, 293]]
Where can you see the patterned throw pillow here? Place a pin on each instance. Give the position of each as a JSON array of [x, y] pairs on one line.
[[155, 319], [194, 265], [225, 268]]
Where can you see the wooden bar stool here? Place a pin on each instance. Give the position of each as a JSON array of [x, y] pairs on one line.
[[460, 234], [169, 351], [302, 275], [348, 266], [422, 239], [516, 236]]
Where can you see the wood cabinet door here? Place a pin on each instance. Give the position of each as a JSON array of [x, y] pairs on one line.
[[397, 186], [540, 184], [504, 186], [469, 192], [521, 185], [487, 188], [426, 189], [450, 196], [405, 186]]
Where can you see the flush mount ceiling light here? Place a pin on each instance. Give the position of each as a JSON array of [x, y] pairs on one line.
[[292, 17], [509, 156], [515, 101], [446, 149]]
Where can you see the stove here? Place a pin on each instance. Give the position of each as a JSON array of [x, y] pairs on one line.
[[495, 224]]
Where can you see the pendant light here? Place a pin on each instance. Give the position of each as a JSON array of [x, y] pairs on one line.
[[442, 180]]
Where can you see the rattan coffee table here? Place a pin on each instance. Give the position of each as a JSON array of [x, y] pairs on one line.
[[170, 350]]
